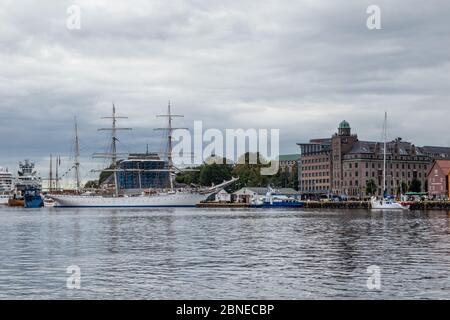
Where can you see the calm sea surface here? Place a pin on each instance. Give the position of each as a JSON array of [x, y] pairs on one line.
[[223, 254]]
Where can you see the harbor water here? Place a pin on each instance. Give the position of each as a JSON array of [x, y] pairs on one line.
[[223, 254]]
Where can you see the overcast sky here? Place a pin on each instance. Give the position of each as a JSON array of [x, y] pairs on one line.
[[298, 65]]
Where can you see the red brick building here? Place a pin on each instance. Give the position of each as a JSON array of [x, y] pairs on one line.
[[438, 179], [345, 165]]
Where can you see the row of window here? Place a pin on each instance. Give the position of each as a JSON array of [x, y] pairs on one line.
[[391, 174], [321, 167], [393, 183], [315, 174], [399, 158], [317, 181], [388, 165], [315, 160]]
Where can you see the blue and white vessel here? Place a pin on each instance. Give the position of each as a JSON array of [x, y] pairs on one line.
[[32, 198], [272, 199]]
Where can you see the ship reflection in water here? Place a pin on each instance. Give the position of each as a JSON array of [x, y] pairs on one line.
[[223, 254]]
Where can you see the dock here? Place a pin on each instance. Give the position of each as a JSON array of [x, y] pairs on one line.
[[423, 205], [337, 205], [222, 205]]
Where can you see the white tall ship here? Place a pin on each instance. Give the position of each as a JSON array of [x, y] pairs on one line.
[[385, 203], [6, 185], [165, 198]]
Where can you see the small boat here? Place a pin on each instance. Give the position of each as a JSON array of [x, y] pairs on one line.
[[48, 202], [33, 198], [271, 199], [4, 198], [16, 201], [387, 204]]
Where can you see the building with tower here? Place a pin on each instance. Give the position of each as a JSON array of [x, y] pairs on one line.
[[345, 165]]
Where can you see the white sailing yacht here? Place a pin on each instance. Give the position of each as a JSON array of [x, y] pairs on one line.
[[170, 198], [385, 203]]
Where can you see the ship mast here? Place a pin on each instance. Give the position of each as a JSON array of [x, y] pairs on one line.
[[77, 157], [170, 130], [57, 162], [113, 154]]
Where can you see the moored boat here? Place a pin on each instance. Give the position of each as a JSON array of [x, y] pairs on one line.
[[16, 202], [32, 198], [4, 199], [272, 199], [48, 202], [170, 198], [387, 202]]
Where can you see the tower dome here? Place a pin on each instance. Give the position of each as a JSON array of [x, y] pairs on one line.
[[344, 128], [344, 125]]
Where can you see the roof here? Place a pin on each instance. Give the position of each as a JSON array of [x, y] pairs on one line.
[[288, 157], [363, 147], [263, 191], [431, 150], [371, 147], [344, 125], [444, 165]]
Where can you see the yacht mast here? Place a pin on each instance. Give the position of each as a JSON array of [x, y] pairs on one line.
[[77, 157], [50, 181]]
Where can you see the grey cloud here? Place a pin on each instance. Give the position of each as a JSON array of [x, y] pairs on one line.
[[298, 65]]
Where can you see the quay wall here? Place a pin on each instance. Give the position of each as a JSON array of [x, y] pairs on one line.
[[424, 205]]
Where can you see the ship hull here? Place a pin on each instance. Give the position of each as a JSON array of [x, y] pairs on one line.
[[283, 204], [33, 202], [161, 200], [16, 202]]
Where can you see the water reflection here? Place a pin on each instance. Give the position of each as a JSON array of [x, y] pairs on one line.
[[223, 254]]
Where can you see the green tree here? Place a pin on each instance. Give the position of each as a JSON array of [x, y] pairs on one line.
[[104, 175], [214, 174], [213, 171], [91, 184], [371, 187], [404, 186], [415, 186], [189, 177], [249, 172]]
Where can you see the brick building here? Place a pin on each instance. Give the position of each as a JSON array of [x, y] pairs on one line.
[[288, 162], [315, 166], [343, 165], [439, 179]]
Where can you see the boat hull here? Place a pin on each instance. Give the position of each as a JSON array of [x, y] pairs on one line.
[[33, 202], [283, 204], [384, 205], [16, 202], [161, 200]]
